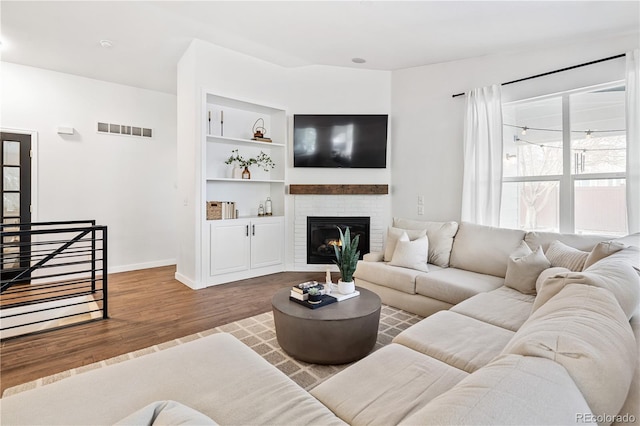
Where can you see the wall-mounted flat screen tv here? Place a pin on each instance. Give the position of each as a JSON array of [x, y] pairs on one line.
[[340, 141]]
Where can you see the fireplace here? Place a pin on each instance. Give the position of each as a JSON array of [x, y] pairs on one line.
[[322, 235]]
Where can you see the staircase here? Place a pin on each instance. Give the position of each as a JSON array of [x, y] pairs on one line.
[[53, 274]]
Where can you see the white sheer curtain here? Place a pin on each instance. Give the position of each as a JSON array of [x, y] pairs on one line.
[[633, 140], [482, 179]]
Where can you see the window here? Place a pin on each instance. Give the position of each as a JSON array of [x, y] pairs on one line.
[[564, 164]]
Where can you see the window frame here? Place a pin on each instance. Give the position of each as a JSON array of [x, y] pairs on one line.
[[566, 181]]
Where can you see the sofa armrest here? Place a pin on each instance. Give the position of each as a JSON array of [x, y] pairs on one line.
[[375, 256]]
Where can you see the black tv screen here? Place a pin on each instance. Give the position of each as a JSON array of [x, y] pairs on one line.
[[340, 141]]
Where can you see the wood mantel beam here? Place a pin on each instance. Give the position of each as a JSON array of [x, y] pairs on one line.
[[339, 189]]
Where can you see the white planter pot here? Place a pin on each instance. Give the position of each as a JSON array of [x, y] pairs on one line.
[[346, 287]]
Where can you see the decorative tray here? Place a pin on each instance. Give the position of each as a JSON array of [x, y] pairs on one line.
[[326, 300]]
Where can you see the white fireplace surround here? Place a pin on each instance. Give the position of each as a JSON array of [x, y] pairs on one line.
[[377, 207]]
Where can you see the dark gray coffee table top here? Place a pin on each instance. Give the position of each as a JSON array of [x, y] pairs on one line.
[[333, 334], [365, 304]]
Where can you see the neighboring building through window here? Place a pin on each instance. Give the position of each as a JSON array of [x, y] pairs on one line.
[[564, 164]]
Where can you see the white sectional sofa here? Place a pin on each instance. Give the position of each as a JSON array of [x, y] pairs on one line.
[[491, 360], [554, 347], [463, 260]]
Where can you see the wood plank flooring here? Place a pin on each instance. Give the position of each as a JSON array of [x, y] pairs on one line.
[[146, 307]]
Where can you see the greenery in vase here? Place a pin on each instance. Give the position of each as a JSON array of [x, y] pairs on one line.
[[262, 160], [347, 254]]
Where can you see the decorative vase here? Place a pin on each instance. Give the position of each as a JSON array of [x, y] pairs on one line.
[[237, 172], [246, 174], [346, 287]]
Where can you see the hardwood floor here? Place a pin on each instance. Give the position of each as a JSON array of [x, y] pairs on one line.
[[145, 308]]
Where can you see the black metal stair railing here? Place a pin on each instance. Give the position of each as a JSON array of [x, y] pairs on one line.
[[53, 274]]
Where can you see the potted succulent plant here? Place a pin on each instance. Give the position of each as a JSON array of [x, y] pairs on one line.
[[347, 256], [315, 296]]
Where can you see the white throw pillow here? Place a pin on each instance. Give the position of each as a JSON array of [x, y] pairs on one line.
[[393, 234], [602, 250], [523, 271], [411, 254], [560, 254], [440, 235]]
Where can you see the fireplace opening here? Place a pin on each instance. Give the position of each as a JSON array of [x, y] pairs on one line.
[[322, 235]]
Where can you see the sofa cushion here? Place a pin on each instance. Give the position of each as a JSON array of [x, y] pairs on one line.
[[583, 329], [386, 387], [523, 271], [582, 242], [484, 249], [602, 250], [394, 234], [216, 375], [411, 254], [503, 307], [630, 254], [631, 406], [395, 277], [629, 240], [512, 390], [473, 344], [453, 285], [560, 254], [166, 413], [440, 236], [373, 256], [547, 273], [613, 273]]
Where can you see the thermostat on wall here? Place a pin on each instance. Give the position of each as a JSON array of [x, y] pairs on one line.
[[65, 130]]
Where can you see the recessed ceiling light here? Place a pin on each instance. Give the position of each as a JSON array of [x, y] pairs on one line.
[[358, 60], [106, 43]]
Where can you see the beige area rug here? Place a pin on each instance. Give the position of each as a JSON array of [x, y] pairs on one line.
[[259, 334]]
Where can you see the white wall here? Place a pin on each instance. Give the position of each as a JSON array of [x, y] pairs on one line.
[[316, 89], [428, 123], [126, 183]]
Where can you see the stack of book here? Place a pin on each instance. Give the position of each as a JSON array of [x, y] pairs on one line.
[[228, 210], [261, 139], [300, 291]]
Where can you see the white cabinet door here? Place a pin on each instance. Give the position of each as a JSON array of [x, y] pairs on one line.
[[230, 247], [267, 242]]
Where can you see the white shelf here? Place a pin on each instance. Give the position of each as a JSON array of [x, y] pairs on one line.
[[224, 139], [245, 180], [244, 218]]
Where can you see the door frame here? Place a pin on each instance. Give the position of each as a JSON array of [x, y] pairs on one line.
[[34, 166]]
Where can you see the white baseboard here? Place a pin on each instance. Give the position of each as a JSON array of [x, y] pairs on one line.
[[138, 266], [186, 281]]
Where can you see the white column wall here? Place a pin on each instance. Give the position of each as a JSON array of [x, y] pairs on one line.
[[304, 90]]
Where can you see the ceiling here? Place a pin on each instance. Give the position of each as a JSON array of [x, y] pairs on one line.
[[149, 37]]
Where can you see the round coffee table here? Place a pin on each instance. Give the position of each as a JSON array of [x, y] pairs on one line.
[[333, 334]]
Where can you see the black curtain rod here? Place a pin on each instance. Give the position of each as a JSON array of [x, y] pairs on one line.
[[553, 72]]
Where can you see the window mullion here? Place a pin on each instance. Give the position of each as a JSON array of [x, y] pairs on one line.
[[567, 217]]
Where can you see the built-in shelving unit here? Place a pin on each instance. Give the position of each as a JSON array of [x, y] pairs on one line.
[[249, 245]]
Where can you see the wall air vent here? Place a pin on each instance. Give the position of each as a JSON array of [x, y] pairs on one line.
[[123, 129]]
